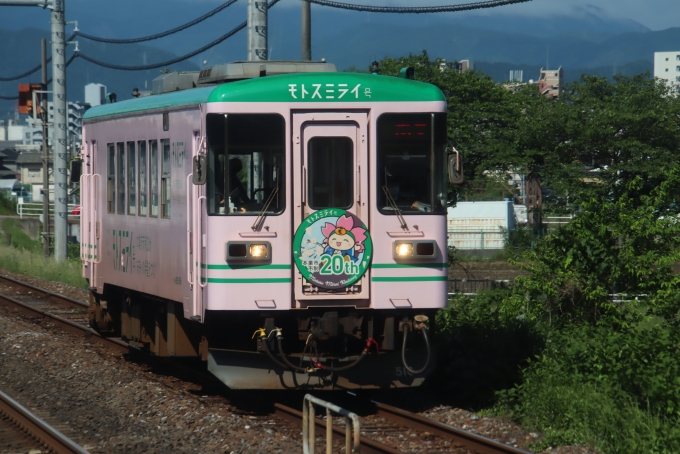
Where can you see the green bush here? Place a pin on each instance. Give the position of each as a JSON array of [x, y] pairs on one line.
[[481, 349], [614, 390], [22, 261], [7, 206], [20, 239]]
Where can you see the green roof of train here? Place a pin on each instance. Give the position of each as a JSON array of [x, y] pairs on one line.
[[300, 87]]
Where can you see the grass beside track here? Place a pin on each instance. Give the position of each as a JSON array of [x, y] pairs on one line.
[[24, 256]]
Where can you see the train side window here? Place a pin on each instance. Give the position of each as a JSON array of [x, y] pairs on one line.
[[411, 157], [246, 164], [165, 180], [331, 172], [121, 177], [142, 176], [132, 178], [111, 178], [153, 167]]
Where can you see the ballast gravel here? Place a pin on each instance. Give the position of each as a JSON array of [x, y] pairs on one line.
[[109, 404]]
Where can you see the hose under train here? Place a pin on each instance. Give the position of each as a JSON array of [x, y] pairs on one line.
[[403, 351], [286, 364]]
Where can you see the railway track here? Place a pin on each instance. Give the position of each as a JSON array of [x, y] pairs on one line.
[[402, 421], [71, 315], [22, 431]]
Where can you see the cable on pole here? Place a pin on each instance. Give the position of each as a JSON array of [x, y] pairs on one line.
[[49, 81], [30, 71], [162, 34], [21, 76], [417, 9], [229, 34]]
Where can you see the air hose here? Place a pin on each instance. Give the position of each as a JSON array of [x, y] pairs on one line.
[[419, 326], [265, 345], [317, 365]]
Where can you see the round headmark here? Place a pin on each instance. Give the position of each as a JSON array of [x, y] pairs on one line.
[[332, 248]]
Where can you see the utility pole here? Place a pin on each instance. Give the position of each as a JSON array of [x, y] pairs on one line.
[[306, 30], [44, 115], [60, 130], [257, 31], [60, 114]]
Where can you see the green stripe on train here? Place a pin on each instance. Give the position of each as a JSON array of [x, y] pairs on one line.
[[214, 280], [292, 88], [245, 266]]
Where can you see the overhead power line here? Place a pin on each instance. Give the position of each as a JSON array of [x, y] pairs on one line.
[[227, 35], [49, 81], [31, 71], [417, 9], [162, 34], [26, 74]]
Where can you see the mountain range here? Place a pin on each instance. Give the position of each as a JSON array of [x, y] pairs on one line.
[[584, 43]]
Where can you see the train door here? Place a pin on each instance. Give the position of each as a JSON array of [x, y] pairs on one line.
[[332, 247], [195, 229], [90, 212]]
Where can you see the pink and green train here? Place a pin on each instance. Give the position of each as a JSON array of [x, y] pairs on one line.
[[290, 230]]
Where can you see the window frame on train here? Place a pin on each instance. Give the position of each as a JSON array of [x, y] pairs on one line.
[[153, 177], [166, 175], [142, 178], [244, 132], [405, 174], [120, 178], [111, 177], [132, 178]]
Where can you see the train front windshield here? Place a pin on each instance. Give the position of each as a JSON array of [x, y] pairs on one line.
[[246, 164], [411, 163]]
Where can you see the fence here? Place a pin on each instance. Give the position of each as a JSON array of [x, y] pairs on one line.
[[494, 238], [477, 239], [352, 429], [36, 210], [472, 286]]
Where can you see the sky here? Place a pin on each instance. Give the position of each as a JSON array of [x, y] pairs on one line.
[[654, 14]]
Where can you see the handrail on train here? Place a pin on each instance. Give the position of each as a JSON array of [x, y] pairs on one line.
[[352, 438]]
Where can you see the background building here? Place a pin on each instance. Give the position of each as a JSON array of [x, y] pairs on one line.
[[667, 67], [95, 94]]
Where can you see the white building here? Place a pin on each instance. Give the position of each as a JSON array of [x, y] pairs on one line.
[[95, 94], [32, 131], [480, 225], [667, 67]]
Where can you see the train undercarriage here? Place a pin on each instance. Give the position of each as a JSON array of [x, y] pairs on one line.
[[330, 347]]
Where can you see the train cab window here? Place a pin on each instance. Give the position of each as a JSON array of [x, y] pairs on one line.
[[153, 185], [246, 164], [165, 179], [331, 172], [411, 163], [121, 177], [111, 178], [132, 178], [142, 176]]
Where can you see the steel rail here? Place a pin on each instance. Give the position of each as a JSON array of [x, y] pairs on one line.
[[68, 325], [368, 446], [55, 297], [57, 442], [471, 441]]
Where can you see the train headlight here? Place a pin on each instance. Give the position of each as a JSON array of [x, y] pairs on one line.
[[414, 250], [258, 250], [248, 251], [403, 250]]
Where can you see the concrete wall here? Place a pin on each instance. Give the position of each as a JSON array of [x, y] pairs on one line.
[[479, 225]]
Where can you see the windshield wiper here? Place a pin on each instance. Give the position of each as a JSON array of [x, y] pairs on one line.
[[396, 209], [260, 217]]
